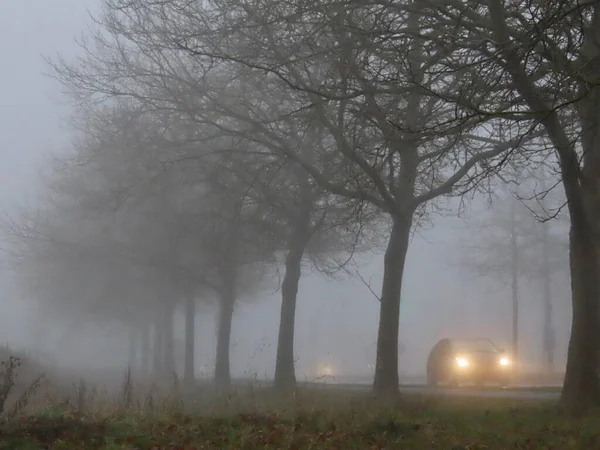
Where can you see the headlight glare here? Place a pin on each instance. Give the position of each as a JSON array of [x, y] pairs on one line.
[[462, 362]]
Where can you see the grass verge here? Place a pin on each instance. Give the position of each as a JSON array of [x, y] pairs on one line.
[[311, 419]]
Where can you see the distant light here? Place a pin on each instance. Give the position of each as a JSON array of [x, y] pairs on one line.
[[504, 361], [327, 370]]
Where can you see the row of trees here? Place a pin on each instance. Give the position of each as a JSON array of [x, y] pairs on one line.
[[233, 133], [121, 237]]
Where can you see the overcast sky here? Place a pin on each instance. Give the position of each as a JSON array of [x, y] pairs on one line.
[[337, 320]]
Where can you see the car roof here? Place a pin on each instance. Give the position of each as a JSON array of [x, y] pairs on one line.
[[473, 341], [469, 339]]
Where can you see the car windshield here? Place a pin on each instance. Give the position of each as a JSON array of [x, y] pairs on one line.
[[474, 345]]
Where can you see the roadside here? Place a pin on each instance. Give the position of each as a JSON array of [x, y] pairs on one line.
[[313, 418]]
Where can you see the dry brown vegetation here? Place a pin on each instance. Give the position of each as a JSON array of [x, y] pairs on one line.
[[250, 417]]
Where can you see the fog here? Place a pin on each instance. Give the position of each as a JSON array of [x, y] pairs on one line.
[[337, 317]]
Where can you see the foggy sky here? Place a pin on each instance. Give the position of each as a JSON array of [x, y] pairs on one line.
[[336, 321]]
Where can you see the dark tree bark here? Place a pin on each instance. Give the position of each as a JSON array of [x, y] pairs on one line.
[[386, 365], [285, 376], [226, 309], [581, 389], [190, 336]]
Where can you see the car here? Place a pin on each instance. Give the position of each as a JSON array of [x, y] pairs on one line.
[[458, 361]]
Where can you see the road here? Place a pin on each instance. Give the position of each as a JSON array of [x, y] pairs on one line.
[[516, 392]]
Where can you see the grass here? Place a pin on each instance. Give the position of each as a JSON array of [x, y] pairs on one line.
[[251, 417], [311, 419]]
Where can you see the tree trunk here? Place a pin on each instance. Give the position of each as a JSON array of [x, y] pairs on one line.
[[386, 365], [514, 267], [146, 349], [157, 348], [581, 388], [222, 368], [169, 342], [285, 377], [549, 341], [190, 336], [133, 348]]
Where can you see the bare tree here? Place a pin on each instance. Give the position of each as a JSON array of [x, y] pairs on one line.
[[182, 231], [536, 63], [514, 240], [262, 71], [316, 222]]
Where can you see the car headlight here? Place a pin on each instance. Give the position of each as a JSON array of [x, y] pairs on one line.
[[462, 362], [504, 361]]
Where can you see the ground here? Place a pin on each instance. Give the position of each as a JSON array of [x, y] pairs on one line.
[[311, 419]]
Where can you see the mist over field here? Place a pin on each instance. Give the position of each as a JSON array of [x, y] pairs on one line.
[[337, 320]]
